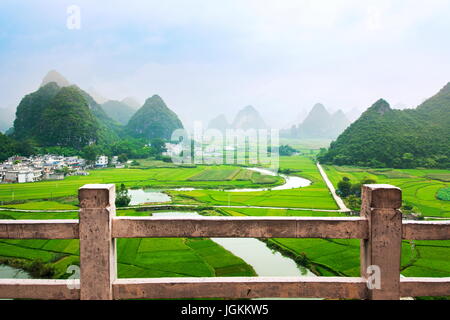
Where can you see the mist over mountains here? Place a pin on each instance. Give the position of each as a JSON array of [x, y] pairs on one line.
[[61, 114], [318, 124], [385, 137], [247, 118]]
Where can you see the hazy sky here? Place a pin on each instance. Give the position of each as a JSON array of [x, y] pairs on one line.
[[210, 57]]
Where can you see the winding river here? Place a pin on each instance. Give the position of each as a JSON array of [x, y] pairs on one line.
[[144, 196], [265, 262]]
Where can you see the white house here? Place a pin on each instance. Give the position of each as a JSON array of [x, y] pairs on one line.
[[102, 161]]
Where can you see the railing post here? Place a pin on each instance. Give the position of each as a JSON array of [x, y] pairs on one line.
[[97, 247], [382, 250]]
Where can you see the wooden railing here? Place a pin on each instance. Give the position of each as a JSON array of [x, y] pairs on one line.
[[380, 228]]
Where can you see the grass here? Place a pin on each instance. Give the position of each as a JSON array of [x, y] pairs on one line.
[[418, 189], [315, 196], [132, 178], [216, 174], [41, 205]]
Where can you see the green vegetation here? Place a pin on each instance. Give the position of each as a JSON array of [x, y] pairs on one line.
[[122, 197], [383, 137], [419, 191], [286, 150], [172, 177], [118, 111], [154, 120], [444, 194], [315, 196]]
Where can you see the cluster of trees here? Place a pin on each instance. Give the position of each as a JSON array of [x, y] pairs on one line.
[[68, 121], [287, 150], [352, 191], [123, 199], [383, 137], [129, 148], [10, 147]]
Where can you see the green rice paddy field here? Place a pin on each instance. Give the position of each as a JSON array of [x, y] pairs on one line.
[[316, 196], [133, 178], [202, 257], [420, 187]]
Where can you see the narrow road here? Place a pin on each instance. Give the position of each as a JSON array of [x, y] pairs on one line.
[[330, 186]]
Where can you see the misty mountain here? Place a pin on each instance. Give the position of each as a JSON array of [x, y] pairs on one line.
[[96, 96], [154, 120], [384, 137], [220, 123], [7, 118], [118, 111], [56, 77], [249, 118], [319, 124], [132, 103]]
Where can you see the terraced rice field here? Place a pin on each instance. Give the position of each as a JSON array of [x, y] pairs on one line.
[[418, 189], [198, 177], [315, 196]]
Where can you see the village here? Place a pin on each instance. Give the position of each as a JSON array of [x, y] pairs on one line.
[[49, 167]]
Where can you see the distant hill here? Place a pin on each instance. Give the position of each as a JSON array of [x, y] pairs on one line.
[[383, 137], [119, 111], [7, 118], [220, 123], [153, 120], [54, 116], [249, 118], [45, 115], [56, 77], [132, 103], [96, 96], [29, 122], [319, 124]]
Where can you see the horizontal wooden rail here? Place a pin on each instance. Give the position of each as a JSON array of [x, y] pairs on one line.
[[39, 289], [39, 229], [241, 288], [426, 230], [239, 227]]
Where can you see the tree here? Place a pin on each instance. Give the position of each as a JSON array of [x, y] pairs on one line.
[[122, 158], [344, 188], [122, 197], [158, 146]]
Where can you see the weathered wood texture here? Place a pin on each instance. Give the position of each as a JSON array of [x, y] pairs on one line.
[[39, 229], [241, 227], [241, 288], [426, 230], [382, 249], [38, 289], [97, 246]]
